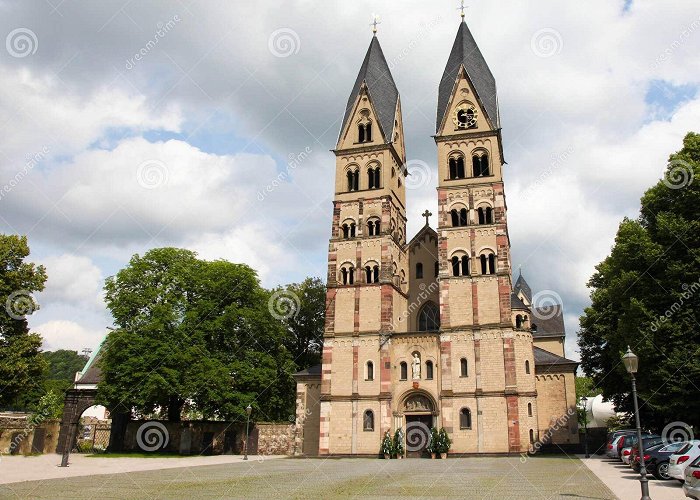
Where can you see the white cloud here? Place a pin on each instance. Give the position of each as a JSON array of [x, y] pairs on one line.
[[72, 280], [63, 334]]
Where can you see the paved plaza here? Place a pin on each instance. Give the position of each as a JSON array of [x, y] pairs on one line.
[[473, 478]]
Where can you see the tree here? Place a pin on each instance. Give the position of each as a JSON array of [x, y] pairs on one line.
[[304, 320], [63, 364], [585, 387], [646, 294], [196, 332], [21, 366]]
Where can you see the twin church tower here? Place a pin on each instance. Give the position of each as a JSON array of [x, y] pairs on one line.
[[431, 332]]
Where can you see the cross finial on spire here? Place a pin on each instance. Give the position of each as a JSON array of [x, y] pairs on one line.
[[427, 215], [461, 9], [375, 23]]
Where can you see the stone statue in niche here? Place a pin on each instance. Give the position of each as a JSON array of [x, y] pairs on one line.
[[416, 366]]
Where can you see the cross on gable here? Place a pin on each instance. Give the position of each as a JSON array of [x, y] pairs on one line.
[[427, 215], [375, 23]]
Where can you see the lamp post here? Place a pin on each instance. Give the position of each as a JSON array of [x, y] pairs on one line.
[[584, 400], [248, 410], [631, 362]]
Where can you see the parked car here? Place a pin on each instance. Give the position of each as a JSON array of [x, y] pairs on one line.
[[613, 438], [656, 459], [682, 458], [691, 487], [630, 442], [627, 441], [647, 442], [612, 447]]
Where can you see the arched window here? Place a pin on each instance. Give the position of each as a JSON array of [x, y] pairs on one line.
[[459, 217], [437, 269], [370, 178], [429, 318], [518, 321], [368, 420], [488, 263], [373, 227], [353, 180], [404, 370], [368, 132], [480, 164], [429, 370], [455, 266], [463, 368], [532, 436], [527, 366], [465, 265], [346, 231], [460, 264], [370, 227], [489, 215], [353, 227], [485, 215], [419, 270], [456, 164], [372, 274], [375, 271], [377, 175], [370, 371], [347, 275], [529, 409], [361, 132], [465, 418]]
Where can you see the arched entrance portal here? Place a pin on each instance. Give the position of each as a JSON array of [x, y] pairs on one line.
[[418, 414]]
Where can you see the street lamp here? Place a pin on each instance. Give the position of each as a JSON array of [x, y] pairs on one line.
[[584, 400], [631, 362], [248, 410]]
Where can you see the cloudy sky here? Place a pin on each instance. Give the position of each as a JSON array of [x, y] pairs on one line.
[[132, 125]]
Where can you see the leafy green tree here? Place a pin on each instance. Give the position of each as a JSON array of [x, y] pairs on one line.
[[585, 387], [646, 294], [22, 368], [50, 406], [305, 322], [63, 364], [196, 332]]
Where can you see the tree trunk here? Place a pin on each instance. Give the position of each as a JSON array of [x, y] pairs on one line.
[[175, 409]]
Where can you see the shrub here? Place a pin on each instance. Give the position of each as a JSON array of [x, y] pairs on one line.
[[398, 442], [387, 444]]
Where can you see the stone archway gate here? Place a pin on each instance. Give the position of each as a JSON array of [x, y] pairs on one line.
[[75, 403]]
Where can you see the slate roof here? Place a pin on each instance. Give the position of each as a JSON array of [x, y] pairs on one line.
[[546, 358], [549, 321], [466, 53], [516, 303], [312, 371], [521, 284], [425, 229], [375, 73], [91, 372]]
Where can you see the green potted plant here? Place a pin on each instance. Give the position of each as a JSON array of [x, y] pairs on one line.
[[432, 447], [444, 442], [387, 445], [398, 443]]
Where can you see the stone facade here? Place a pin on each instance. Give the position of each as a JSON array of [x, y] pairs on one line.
[[431, 332]]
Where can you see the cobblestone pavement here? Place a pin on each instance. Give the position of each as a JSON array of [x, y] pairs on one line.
[[474, 478]]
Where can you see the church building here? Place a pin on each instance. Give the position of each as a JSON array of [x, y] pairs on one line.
[[430, 332]]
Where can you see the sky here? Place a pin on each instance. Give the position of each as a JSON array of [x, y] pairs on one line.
[[208, 125]]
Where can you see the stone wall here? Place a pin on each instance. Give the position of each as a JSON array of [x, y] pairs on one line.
[[20, 436], [275, 439]]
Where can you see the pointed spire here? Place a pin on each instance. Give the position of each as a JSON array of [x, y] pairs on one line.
[[375, 74], [466, 54]]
